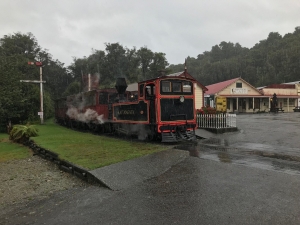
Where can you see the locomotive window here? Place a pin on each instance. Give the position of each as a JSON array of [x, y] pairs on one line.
[[103, 98], [176, 86], [166, 86], [187, 87], [112, 97], [149, 91]]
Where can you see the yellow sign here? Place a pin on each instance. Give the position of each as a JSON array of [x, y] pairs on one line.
[[221, 104]]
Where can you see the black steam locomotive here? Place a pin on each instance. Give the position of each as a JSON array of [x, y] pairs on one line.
[[161, 109]]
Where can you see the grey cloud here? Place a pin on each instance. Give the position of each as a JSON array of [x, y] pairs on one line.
[[178, 28]]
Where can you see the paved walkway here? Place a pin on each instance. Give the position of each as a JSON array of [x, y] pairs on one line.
[[125, 174]]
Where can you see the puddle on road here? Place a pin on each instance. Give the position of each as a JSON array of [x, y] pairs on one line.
[[192, 148], [255, 161], [216, 141], [247, 157], [224, 157]]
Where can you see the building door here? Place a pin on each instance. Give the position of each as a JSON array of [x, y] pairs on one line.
[[244, 104], [257, 103], [234, 105]]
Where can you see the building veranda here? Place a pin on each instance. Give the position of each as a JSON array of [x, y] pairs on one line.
[[242, 97]]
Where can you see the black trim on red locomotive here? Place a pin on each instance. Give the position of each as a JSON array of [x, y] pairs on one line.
[[180, 111], [173, 128], [133, 112]]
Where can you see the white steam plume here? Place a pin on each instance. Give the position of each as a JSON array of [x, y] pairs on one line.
[[89, 115]]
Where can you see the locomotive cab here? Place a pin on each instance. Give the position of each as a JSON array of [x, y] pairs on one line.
[[176, 109]]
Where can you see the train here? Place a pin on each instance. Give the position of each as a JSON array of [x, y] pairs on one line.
[[162, 109]]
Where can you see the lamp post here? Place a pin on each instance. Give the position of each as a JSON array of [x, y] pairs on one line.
[[40, 65]]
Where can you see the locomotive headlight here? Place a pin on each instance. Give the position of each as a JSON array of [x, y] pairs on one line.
[[181, 99]]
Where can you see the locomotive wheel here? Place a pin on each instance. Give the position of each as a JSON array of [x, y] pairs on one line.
[[101, 129], [74, 124], [151, 137], [70, 124], [93, 127]]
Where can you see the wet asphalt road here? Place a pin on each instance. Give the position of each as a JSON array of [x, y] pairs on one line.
[[235, 186]]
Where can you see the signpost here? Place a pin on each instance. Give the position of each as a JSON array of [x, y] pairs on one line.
[[38, 64]]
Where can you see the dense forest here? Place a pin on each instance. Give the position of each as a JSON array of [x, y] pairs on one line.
[[273, 60]]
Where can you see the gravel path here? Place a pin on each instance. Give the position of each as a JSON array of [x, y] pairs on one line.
[[34, 178]]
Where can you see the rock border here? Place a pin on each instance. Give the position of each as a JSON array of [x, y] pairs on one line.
[[63, 165]]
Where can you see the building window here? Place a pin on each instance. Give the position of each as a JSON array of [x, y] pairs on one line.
[[239, 85], [285, 102]]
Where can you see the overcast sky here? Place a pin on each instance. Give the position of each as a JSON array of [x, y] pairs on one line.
[[178, 28]]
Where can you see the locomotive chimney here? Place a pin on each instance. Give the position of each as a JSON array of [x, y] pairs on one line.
[[121, 85]]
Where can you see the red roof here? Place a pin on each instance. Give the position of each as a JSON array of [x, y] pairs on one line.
[[215, 88]]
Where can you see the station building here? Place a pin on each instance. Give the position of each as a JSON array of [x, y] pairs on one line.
[[242, 97]]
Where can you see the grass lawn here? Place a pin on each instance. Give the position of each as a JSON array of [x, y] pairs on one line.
[[87, 150], [11, 151]]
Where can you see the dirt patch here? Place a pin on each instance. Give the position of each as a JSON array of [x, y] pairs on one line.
[[31, 179]]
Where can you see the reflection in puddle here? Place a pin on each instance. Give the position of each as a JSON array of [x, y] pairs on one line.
[[254, 160], [192, 148], [279, 165], [247, 154], [194, 152], [216, 141], [224, 157]]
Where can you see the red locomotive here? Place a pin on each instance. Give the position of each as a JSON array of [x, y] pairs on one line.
[[163, 108]]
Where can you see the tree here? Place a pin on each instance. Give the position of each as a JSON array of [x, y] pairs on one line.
[[73, 88], [114, 63], [159, 62], [146, 56], [20, 102]]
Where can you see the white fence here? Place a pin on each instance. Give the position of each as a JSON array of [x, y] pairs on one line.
[[216, 120]]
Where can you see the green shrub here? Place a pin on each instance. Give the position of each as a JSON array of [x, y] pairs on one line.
[[22, 133]]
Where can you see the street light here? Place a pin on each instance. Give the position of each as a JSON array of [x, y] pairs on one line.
[[38, 64]]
